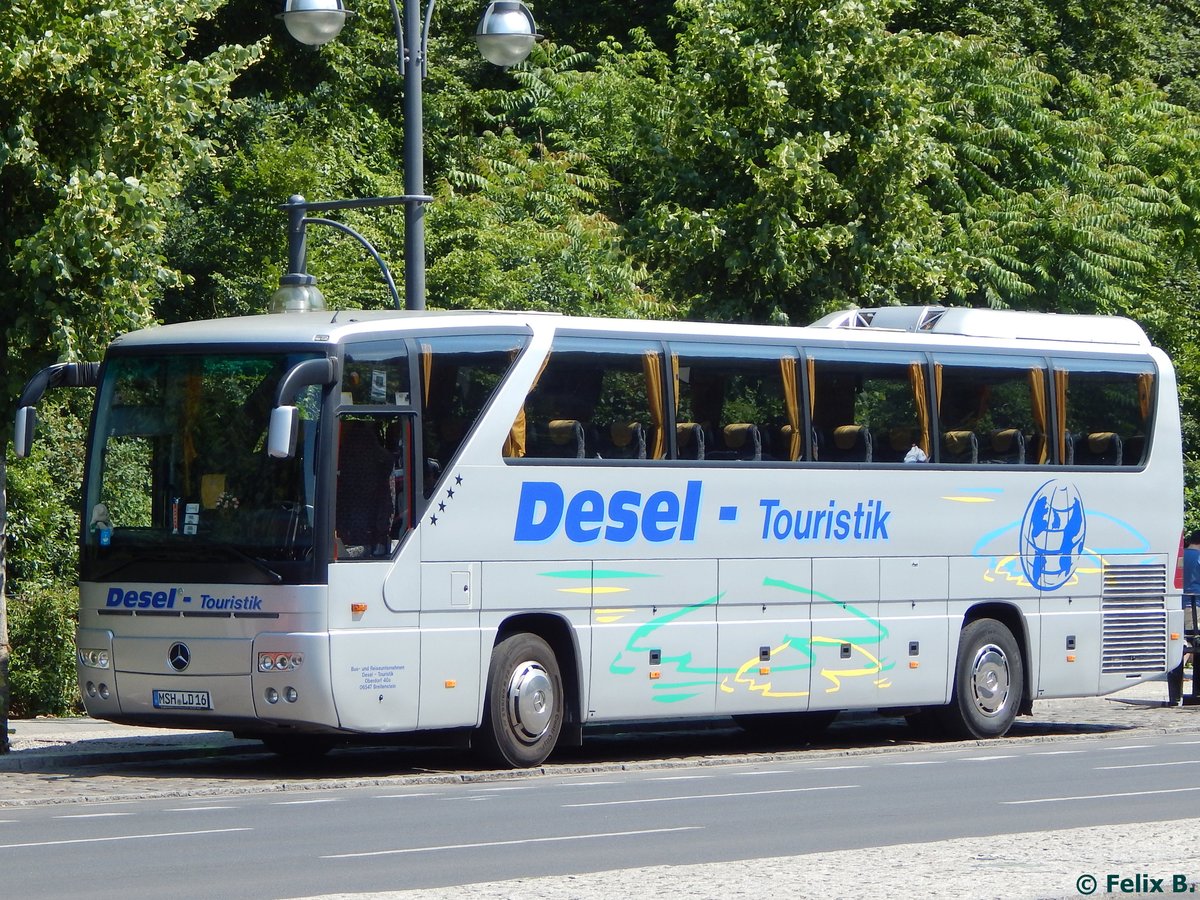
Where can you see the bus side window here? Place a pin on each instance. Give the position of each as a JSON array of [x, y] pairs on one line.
[[366, 499], [595, 398], [991, 411], [869, 408], [458, 375], [1106, 411], [732, 401]]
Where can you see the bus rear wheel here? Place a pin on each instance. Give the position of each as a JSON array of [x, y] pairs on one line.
[[989, 680], [523, 710]]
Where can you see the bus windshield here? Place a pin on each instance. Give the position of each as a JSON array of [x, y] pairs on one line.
[[179, 484]]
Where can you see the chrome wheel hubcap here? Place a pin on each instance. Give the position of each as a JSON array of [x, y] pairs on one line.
[[530, 699], [990, 680]]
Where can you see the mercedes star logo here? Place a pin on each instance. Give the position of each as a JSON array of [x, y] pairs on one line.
[[179, 656]]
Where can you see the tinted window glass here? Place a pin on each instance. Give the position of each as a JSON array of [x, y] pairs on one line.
[[459, 374]]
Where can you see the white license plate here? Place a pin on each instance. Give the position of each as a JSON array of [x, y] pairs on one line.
[[181, 700]]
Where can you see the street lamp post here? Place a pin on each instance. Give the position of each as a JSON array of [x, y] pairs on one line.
[[505, 35]]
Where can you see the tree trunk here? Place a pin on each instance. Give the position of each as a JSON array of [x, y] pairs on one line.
[[5, 695]]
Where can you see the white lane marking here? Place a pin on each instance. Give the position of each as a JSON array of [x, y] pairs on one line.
[[832, 787], [524, 787], [405, 796], [834, 768], [121, 837], [987, 758], [918, 762], [106, 815], [678, 777], [1129, 747], [1185, 762], [307, 802], [1054, 752], [197, 808], [586, 783], [765, 772], [544, 840], [1182, 743], [1097, 796]]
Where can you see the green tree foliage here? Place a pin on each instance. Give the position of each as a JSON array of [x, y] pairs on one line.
[[490, 239], [42, 627], [44, 496], [42, 554], [102, 118]]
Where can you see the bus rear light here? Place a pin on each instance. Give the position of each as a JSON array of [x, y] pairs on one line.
[[290, 694], [103, 691], [1179, 565], [358, 608], [271, 695]]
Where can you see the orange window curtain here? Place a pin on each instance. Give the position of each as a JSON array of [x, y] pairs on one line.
[[916, 376], [810, 365], [1145, 390], [791, 398], [1060, 399], [652, 368], [1041, 415], [515, 443], [426, 372]]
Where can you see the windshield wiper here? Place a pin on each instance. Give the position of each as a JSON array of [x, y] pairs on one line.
[[259, 564]]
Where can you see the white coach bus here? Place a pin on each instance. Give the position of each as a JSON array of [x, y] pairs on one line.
[[302, 527]]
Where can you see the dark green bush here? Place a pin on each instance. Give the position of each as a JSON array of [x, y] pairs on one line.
[[41, 626]]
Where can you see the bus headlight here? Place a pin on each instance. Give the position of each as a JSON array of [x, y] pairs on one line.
[[279, 662], [93, 658]]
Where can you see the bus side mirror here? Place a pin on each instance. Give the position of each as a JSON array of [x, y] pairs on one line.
[[282, 432], [23, 433], [285, 417]]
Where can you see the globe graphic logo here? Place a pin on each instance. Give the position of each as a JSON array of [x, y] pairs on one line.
[[1052, 534]]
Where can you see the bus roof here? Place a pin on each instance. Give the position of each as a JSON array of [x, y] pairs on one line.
[[886, 325], [992, 323]]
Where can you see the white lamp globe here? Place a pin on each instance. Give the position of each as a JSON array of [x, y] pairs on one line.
[[506, 33], [314, 22]]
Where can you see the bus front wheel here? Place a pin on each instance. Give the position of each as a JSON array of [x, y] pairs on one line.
[[523, 711], [988, 682]]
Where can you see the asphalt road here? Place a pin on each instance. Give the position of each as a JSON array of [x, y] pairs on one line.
[[381, 837]]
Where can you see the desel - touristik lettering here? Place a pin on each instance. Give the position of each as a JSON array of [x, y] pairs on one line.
[[545, 511], [867, 520], [130, 599]]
